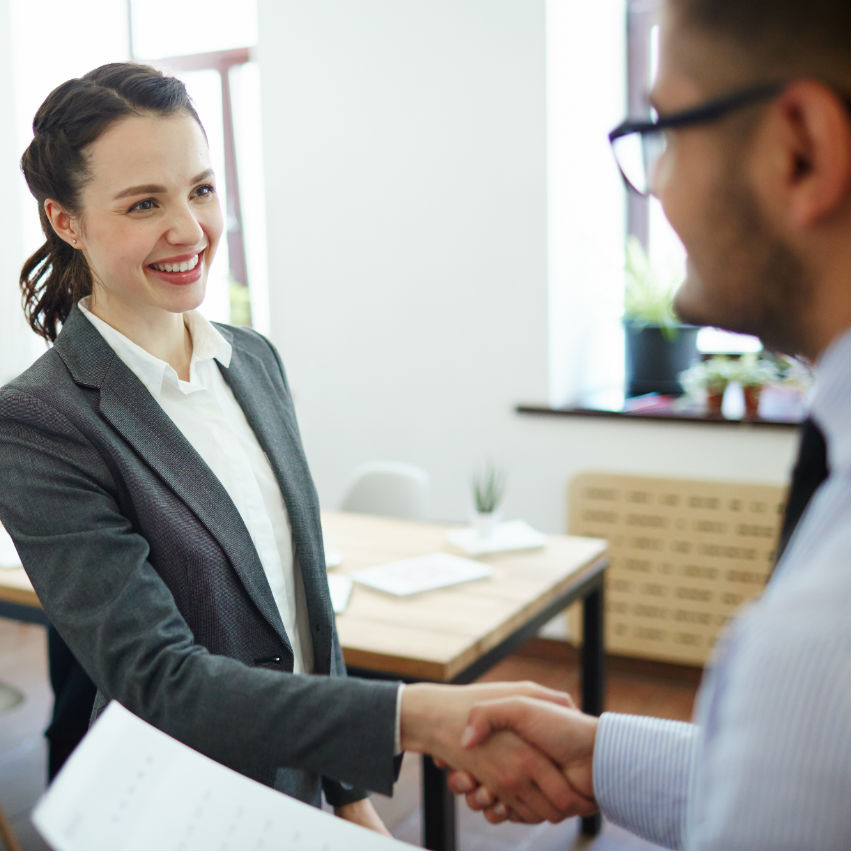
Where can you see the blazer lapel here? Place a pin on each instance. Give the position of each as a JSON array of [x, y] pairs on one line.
[[265, 404], [128, 406]]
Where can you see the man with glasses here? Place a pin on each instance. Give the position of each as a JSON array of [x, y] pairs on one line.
[[749, 153]]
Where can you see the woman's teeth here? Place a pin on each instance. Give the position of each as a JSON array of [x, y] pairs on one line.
[[185, 266]]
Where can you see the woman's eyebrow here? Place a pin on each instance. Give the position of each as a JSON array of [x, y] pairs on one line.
[[155, 188]]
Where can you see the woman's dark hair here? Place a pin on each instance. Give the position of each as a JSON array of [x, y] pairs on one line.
[[73, 116]]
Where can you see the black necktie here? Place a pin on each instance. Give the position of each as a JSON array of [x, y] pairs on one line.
[[809, 472]]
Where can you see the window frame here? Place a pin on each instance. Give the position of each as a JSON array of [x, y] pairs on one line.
[[223, 61]]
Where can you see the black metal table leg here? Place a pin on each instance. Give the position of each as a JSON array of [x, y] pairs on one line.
[[22, 612], [438, 809], [593, 673], [438, 803]]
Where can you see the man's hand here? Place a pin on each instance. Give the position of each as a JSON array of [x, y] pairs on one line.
[[525, 780], [363, 813], [563, 733]]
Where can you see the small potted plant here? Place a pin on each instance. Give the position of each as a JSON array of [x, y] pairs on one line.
[[658, 346], [710, 376], [488, 489], [752, 373]]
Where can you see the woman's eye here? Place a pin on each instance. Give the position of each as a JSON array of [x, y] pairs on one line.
[[206, 189], [143, 206]]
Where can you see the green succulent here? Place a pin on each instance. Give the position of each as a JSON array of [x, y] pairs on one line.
[[488, 488]]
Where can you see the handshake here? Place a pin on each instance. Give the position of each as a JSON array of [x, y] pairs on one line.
[[518, 751]]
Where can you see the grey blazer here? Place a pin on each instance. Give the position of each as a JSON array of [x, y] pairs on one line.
[[144, 565]]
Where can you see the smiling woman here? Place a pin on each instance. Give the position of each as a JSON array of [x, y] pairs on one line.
[[95, 145], [156, 488], [153, 475], [148, 223]]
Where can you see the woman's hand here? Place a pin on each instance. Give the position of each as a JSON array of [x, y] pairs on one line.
[[563, 733], [363, 813], [519, 774]]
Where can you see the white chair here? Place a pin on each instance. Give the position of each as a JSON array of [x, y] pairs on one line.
[[389, 488]]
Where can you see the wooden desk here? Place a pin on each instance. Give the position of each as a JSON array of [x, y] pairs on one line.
[[455, 634], [17, 598], [450, 635]]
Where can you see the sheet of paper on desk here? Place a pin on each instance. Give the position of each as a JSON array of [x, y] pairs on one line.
[[340, 587], [8, 553], [421, 573], [514, 535], [129, 786]]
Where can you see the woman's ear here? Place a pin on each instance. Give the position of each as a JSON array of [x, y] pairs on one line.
[[64, 225]]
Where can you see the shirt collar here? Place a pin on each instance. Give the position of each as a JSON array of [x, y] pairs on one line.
[[207, 344], [830, 402]]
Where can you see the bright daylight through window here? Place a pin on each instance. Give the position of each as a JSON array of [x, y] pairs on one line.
[[208, 45]]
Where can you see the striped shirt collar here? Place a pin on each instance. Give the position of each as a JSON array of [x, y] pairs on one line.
[[207, 344]]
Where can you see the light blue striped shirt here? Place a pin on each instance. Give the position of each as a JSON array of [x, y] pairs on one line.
[[767, 761]]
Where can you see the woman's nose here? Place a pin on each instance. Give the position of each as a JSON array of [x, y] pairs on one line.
[[184, 227]]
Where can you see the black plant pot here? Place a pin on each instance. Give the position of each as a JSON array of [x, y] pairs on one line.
[[654, 362]]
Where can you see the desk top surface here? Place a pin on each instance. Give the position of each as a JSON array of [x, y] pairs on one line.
[[435, 634]]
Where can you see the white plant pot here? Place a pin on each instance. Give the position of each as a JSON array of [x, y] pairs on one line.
[[486, 522]]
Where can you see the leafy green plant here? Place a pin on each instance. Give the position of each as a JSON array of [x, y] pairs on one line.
[[488, 489], [713, 374], [750, 370], [649, 295], [794, 375]]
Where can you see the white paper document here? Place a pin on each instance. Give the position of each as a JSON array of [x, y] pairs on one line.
[[130, 787], [340, 587], [333, 558], [507, 537], [8, 554], [421, 573]]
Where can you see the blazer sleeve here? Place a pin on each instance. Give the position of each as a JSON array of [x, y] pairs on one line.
[[91, 570], [336, 793]]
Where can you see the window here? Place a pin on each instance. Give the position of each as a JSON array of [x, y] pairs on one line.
[[645, 218], [586, 50], [601, 62], [208, 44]]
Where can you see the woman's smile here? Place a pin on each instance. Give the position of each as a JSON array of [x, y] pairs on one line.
[[182, 270]]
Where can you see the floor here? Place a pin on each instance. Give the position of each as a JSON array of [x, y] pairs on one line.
[[666, 691]]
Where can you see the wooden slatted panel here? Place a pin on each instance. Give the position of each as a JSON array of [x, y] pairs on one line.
[[684, 556]]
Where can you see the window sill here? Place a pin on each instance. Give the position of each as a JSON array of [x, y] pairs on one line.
[[777, 409]]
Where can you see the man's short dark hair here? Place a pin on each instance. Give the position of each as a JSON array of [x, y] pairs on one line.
[[780, 39]]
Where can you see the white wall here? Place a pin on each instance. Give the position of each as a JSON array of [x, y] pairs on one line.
[[16, 346], [34, 59], [405, 147]]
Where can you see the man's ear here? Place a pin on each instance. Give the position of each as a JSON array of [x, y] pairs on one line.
[[814, 125], [65, 225]]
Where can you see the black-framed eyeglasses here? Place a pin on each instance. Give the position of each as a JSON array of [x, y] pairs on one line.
[[637, 145]]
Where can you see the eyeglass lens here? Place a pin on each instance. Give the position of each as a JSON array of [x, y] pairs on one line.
[[637, 155]]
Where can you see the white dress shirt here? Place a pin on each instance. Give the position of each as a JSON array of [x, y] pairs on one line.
[[210, 418], [767, 761]]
